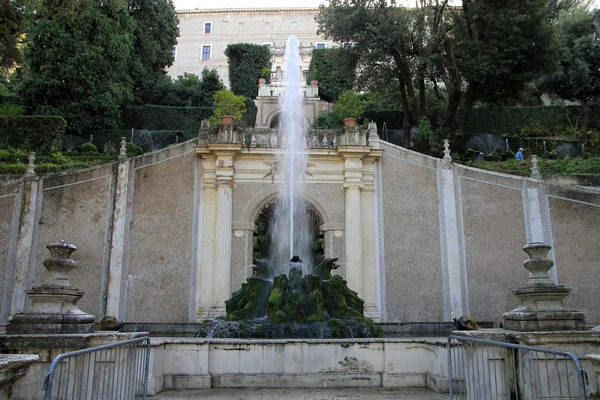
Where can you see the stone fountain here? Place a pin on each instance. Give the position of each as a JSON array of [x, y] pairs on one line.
[[293, 305]]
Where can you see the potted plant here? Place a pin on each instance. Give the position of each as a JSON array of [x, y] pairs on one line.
[[349, 107], [227, 108], [264, 76]]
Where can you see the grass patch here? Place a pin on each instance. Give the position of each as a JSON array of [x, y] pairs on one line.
[[563, 166]]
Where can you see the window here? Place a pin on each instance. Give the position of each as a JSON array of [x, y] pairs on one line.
[[206, 50], [320, 45], [208, 27], [293, 26], [241, 27], [267, 45], [174, 53]]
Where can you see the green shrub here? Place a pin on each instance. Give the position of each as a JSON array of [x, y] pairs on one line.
[[13, 156], [425, 128], [349, 105], [42, 134], [59, 158], [13, 169], [11, 110], [227, 103], [328, 121], [133, 149], [46, 168], [89, 147]]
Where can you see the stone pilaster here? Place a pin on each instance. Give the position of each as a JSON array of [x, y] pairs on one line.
[[454, 275], [120, 230], [26, 247], [216, 263]]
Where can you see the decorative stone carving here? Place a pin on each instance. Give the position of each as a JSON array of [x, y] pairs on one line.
[[54, 308], [123, 149], [541, 305]]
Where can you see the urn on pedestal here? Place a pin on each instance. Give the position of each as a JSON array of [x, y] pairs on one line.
[[541, 301], [54, 308]]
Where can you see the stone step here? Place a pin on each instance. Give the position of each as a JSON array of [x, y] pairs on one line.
[[303, 394]]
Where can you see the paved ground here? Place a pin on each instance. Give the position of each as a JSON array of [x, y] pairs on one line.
[[303, 394]]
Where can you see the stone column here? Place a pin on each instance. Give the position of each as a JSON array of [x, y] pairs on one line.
[[222, 276], [353, 239]]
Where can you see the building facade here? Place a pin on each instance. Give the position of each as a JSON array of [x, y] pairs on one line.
[[204, 35]]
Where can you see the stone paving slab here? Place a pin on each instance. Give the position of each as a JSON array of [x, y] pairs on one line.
[[303, 394]]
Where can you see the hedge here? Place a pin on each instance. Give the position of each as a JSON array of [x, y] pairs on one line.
[[153, 117], [511, 120], [42, 134]]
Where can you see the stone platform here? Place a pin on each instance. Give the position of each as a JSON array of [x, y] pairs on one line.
[[304, 394]]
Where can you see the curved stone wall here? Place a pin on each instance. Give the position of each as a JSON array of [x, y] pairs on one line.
[[445, 239]]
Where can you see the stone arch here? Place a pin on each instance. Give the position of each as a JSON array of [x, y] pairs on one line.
[[273, 119], [268, 194]]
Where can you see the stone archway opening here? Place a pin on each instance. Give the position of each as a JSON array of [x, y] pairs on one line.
[[264, 238]]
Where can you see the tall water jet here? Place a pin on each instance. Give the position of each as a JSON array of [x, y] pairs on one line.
[[290, 231]]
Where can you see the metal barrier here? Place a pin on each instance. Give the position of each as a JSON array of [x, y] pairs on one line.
[[481, 369], [112, 371]]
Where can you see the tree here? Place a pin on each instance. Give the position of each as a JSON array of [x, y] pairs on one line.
[[14, 17], [246, 62], [577, 76], [78, 56], [504, 47], [211, 84], [479, 44], [334, 69], [155, 34]]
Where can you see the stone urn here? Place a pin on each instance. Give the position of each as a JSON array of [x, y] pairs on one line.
[[54, 303], [537, 264], [59, 264], [541, 301]]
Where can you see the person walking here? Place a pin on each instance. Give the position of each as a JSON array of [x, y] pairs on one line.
[[519, 154]]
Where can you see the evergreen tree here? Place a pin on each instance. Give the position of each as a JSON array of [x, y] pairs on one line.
[[246, 62], [154, 37], [78, 57], [334, 69]]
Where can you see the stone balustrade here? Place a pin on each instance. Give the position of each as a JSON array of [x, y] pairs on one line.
[[274, 138]]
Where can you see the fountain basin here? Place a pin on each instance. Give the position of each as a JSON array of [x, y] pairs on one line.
[[201, 363]]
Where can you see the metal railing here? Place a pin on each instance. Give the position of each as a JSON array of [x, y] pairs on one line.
[[481, 369], [112, 371]]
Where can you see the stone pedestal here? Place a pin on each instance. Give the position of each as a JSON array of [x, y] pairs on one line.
[[54, 308], [541, 305]]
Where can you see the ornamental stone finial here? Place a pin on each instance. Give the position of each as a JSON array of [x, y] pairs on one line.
[[447, 155], [123, 149], [30, 166], [447, 159], [535, 170]]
